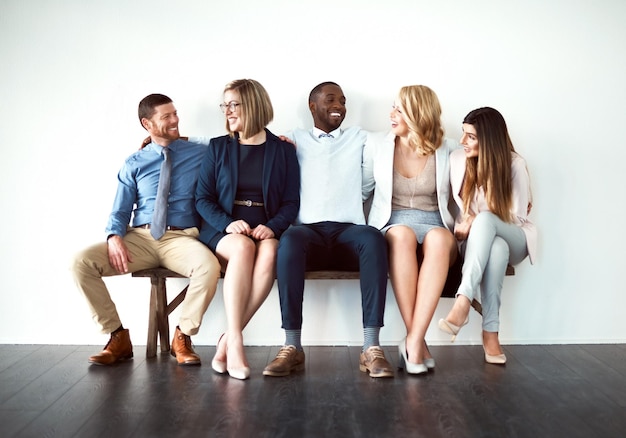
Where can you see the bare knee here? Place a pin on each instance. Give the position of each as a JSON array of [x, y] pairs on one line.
[[266, 254], [401, 237], [440, 242]]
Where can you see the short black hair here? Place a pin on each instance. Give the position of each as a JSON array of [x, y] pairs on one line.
[[149, 103], [318, 89]]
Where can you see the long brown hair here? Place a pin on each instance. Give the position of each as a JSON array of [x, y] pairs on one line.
[[491, 170]]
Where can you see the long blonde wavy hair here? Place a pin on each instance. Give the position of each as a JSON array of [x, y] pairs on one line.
[[422, 113]]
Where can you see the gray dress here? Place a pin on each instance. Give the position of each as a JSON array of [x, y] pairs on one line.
[[414, 202]]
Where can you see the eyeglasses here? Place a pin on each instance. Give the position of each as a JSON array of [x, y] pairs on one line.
[[232, 106]]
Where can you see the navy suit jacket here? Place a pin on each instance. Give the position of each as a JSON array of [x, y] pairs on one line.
[[217, 185]]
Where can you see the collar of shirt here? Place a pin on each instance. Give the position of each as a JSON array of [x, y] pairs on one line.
[[317, 132], [159, 149]]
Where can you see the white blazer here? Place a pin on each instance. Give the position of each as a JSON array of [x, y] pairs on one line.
[[382, 149]]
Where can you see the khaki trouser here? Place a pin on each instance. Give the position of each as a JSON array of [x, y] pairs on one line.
[[179, 251]]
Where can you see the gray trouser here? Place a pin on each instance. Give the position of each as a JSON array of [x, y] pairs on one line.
[[490, 246]]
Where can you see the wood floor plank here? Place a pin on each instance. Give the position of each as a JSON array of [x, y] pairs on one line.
[[565, 390], [12, 354], [13, 421], [613, 356], [601, 377]]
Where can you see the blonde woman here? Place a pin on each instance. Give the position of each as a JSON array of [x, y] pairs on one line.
[[248, 194], [410, 206], [491, 187]]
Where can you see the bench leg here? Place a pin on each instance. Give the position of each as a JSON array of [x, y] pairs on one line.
[[158, 324], [477, 307], [163, 317]]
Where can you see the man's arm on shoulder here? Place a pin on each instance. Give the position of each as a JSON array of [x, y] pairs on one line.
[[146, 141], [367, 165]]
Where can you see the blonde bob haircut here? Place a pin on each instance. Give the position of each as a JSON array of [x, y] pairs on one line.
[[422, 113], [255, 110]]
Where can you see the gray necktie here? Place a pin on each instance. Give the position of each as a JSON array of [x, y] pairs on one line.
[[159, 217]]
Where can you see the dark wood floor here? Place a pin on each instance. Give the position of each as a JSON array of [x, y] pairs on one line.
[[544, 391]]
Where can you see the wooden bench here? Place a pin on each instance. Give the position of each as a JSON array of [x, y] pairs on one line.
[[160, 309]]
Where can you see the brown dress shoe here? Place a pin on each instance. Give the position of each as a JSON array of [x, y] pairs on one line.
[[182, 349], [373, 360], [287, 360], [118, 348]]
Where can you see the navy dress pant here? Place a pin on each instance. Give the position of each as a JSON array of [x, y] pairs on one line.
[[332, 246]]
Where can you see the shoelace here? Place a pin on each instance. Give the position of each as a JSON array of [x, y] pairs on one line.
[[377, 353], [284, 353]]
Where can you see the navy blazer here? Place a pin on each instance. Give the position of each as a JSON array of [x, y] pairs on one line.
[[217, 185]]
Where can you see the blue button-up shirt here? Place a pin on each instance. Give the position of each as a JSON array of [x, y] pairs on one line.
[[138, 180]]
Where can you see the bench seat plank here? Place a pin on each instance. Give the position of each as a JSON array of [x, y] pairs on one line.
[[160, 309]]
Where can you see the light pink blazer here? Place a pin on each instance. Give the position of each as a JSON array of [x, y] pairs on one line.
[[521, 196]]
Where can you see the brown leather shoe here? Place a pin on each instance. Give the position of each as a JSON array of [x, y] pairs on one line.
[[373, 360], [287, 360], [118, 348], [182, 349]]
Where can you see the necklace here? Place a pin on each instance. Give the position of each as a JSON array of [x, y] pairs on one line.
[[411, 187]]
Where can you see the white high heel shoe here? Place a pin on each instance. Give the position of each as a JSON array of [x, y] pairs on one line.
[[429, 361], [239, 373], [410, 367]]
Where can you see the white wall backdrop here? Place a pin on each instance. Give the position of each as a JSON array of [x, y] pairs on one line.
[[73, 71]]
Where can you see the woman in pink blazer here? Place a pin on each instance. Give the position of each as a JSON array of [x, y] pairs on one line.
[[491, 187]]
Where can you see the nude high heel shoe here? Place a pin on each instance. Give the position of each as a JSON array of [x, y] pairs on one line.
[[450, 328], [218, 366], [239, 373], [497, 359], [410, 367]]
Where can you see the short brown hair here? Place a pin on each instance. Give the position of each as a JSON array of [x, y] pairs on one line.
[[147, 106], [256, 107]]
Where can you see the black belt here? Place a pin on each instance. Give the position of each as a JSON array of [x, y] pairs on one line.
[[248, 203], [168, 228]]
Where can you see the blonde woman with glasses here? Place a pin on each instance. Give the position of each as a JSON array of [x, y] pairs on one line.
[[248, 194]]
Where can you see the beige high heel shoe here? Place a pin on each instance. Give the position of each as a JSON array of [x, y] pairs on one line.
[[450, 328], [218, 365], [497, 359], [239, 373]]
